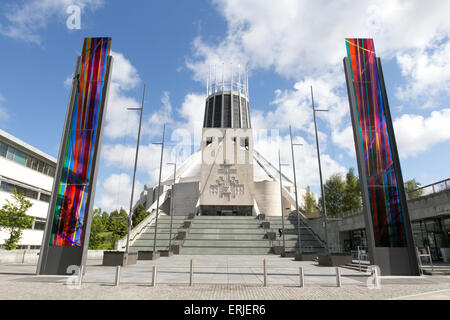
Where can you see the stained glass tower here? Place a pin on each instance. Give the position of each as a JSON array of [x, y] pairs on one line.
[[388, 226]]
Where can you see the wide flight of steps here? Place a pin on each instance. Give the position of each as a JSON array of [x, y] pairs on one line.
[[231, 235], [146, 238], [309, 242], [217, 235]]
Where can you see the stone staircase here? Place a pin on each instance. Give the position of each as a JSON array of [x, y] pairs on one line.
[[146, 238], [310, 242], [231, 235], [234, 235]]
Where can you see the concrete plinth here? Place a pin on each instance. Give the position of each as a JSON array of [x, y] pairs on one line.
[[148, 255], [335, 259], [271, 235], [277, 250], [181, 235], [176, 248], [118, 258], [166, 253], [305, 256]]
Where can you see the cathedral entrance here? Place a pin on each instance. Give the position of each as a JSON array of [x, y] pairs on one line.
[[226, 210]]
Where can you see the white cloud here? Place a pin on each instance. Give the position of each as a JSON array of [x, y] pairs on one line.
[[154, 124], [416, 134], [427, 73], [25, 21], [117, 192], [295, 37], [306, 166], [121, 122], [345, 140]]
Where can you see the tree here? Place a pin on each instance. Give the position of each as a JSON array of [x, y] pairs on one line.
[[13, 218], [98, 227], [139, 214], [309, 206], [352, 192], [117, 224], [411, 187], [334, 195]]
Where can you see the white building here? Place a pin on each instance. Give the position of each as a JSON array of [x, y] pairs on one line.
[[226, 176], [29, 171]]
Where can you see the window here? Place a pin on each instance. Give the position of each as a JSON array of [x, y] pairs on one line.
[[20, 157], [8, 187], [44, 197], [39, 224], [3, 149]]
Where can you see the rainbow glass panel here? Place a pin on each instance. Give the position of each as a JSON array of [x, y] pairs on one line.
[[378, 165], [74, 186]]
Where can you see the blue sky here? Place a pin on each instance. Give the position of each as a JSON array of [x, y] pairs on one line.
[[287, 46]]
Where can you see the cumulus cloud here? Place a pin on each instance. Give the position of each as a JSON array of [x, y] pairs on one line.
[[25, 21], [117, 192], [306, 166], [427, 73], [120, 121], [295, 37], [415, 133]]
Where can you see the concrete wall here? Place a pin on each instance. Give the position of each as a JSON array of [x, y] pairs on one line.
[[32, 256], [186, 197], [429, 206], [267, 195]]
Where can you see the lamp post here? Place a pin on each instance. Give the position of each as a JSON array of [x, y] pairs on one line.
[[295, 186], [159, 186], [172, 200], [281, 199], [130, 214], [324, 209]]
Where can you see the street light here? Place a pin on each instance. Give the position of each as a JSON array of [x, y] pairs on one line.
[[172, 200], [281, 198], [324, 209], [141, 109], [159, 187], [295, 185]]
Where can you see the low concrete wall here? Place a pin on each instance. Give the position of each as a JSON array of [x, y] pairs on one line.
[[32, 256]]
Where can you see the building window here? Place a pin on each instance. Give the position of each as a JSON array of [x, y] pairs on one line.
[[8, 187], [44, 197], [22, 158], [39, 224]]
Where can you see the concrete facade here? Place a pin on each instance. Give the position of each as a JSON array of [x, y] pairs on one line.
[[30, 171]]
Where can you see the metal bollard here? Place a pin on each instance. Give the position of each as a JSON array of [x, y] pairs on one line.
[[80, 275], [191, 273], [265, 273], [338, 277], [154, 277], [302, 277], [117, 282]]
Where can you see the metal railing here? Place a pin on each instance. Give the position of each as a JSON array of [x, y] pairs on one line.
[[429, 189], [262, 274]]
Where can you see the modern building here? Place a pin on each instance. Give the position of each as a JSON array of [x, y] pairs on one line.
[[30, 172], [226, 176]]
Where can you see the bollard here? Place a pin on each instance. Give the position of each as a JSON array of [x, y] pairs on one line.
[[191, 273], [265, 273], [154, 277], [302, 277], [338, 277], [117, 282], [80, 275]]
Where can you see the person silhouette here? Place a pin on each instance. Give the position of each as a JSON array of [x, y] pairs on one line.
[[280, 231]]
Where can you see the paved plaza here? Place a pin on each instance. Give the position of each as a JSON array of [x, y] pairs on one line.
[[218, 277]]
